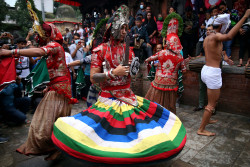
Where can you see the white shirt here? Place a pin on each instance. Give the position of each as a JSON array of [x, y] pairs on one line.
[[79, 53], [68, 59], [23, 66], [80, 31]]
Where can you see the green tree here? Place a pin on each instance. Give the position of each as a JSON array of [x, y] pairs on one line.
[[4, 12], [22, 17]]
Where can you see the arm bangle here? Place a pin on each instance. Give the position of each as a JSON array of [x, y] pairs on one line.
[[107, 74], [111, 74]]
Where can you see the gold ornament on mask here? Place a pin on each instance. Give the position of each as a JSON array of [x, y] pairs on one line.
[[36, 25]]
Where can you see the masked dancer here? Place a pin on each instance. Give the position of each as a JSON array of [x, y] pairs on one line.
[[120, 128]]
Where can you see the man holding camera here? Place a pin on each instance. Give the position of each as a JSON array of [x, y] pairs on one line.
[[77, 51], [23, 63], [140, 37]]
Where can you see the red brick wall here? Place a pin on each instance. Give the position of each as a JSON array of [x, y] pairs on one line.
[[235, 93], [234, 98]]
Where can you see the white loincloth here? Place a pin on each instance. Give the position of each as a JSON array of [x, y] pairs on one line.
[[211, 76]]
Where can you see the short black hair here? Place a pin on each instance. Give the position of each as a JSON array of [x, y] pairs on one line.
[[189, 9], [21, 40], [223, 3], [66, 49], [216, 26], [139, 15], [77, 34], [210, 25], [66, 29], [138, 19], [211, 10], [175, 9], [208, 11]]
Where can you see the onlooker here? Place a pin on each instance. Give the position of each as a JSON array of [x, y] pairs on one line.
[[190, 21], [159, 23], [68, 60], [14, 108], [76, 51], [151, 28], [158, 49], [23, 63], [148, 10], [214, 13], [159, 27], [244, 42], [241, 6], [171, 10], [234, 17], [142, 10], [202, 35], [131, 22], [140, 37], [78, 30], [201, 16], [68, 37], [180, 6], [198, 5]]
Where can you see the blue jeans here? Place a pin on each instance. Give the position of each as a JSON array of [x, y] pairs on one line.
[[227, 46], [16, 113], [23, 104]]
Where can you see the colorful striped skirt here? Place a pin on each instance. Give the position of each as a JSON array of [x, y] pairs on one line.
[[113, 132]]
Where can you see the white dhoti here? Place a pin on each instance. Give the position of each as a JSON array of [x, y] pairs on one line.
[[211, 76]]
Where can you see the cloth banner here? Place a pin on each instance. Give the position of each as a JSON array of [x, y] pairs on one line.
[[151, 74], [7, 71], [38, 76], [80, 81]]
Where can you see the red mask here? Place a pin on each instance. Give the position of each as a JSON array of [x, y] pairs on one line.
[[173, 42]]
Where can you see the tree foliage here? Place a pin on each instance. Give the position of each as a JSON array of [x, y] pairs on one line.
[[3, 11], [22, 17]]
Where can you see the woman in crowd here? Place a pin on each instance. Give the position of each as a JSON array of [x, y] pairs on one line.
[[120, 128], [151, 27]]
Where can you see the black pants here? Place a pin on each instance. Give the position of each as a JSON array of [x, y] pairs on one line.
[[188, 44], [73, 83], [244, 45], [85, 90]]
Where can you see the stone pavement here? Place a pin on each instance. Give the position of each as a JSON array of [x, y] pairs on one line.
[[229, 148]]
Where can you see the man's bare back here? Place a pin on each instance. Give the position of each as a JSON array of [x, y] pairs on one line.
[[213, 50]]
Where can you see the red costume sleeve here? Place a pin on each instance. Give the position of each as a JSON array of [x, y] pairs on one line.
[[97, 58], [50, 48]]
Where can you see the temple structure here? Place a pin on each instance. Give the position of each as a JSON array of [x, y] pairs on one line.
[[65, 18]]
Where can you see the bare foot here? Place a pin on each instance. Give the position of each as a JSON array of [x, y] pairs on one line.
[[212, 121], [205, 133]]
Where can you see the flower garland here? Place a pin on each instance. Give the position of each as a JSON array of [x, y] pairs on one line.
[[166, 22]]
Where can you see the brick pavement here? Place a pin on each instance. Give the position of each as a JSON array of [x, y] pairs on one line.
[[230, 147]]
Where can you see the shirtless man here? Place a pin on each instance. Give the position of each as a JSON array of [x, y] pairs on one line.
[[211, 72]]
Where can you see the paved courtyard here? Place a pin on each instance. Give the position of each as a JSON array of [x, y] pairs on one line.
[[229, 148]]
